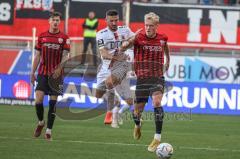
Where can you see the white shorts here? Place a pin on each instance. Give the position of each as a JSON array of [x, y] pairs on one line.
[[120, 69], [124, 89]]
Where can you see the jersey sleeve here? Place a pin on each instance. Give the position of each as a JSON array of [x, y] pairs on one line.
[[130, 33], [165, 38], [100, 40], [66, 45], [136, 41], [38, 45]]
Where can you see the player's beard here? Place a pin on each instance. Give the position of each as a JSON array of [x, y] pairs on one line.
[[114, 28]]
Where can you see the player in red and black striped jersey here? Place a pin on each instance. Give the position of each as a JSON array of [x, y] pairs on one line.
[[51, 54], [149, 50]]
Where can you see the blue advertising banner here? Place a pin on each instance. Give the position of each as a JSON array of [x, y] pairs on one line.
[[182, 97]]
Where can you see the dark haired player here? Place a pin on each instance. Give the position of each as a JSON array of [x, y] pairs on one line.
[[52, 51]]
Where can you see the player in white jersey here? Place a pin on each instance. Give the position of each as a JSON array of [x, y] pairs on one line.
[[114, 67]]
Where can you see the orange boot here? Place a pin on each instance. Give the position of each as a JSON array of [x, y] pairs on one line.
[[108, 118]]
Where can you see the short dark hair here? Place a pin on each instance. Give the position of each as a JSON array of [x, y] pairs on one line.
[[55, 14], [112, 12]]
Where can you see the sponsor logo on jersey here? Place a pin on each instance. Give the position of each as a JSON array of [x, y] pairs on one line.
[[152, 48], [60, 40], [51, 46]]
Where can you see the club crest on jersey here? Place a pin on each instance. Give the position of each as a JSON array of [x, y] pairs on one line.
[[60, 40], [162, 42]]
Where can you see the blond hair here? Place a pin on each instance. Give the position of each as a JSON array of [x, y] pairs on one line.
[[152, 16]]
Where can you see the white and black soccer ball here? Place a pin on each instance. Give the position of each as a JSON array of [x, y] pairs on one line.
[[164, 151]]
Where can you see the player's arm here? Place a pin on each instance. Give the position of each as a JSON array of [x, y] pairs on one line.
[[35, 65], [105, 53], [129, 42], [167, 54], [65, 58]]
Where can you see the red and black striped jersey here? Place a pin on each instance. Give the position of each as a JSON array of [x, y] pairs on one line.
[[51, 47], [149, 55]]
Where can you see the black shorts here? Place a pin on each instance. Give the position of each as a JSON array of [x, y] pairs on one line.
[[50, 86], [146, 87]]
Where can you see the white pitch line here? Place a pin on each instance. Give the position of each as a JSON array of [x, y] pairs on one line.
[[122, 144]]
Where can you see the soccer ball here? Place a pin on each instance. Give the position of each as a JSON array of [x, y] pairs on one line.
[[164, 151]]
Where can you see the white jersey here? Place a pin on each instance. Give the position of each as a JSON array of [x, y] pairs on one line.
[[107, 39]]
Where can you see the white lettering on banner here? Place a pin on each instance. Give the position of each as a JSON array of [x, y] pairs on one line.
[[218, 99], [195, 16], [86, 91], [225, 27], [204, 98], [174, 95], [207, 97], [229, 99], [72, 93], [34, 4], [5, 11], [219, 27], [185, 97]]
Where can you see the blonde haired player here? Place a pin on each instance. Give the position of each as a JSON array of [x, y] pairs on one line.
[[149, 50]]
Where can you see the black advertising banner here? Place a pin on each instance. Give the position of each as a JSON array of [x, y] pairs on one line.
[[80, 9], [193, 25], [6, 12], [37, 9]]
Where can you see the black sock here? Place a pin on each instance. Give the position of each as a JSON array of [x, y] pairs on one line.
[[158, 116], [136, 119], [39, 111], [51, 113]]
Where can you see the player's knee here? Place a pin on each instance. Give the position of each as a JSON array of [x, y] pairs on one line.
[[109, 84]]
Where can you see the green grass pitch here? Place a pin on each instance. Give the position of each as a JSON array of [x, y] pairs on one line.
[[202, 137]]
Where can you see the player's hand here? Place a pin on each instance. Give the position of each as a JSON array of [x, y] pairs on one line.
[[57, 72], [166, 66], [32, 78], [138, 31]]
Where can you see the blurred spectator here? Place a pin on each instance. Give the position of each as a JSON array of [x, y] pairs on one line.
[[90, 30]]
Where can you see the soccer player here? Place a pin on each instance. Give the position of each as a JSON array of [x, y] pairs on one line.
[[149, 50], [114, 66], [51, 54]]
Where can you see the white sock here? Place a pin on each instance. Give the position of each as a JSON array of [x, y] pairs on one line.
[[124, 108], [48, 131], [115, 114], [157, 137], [41, 122]]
